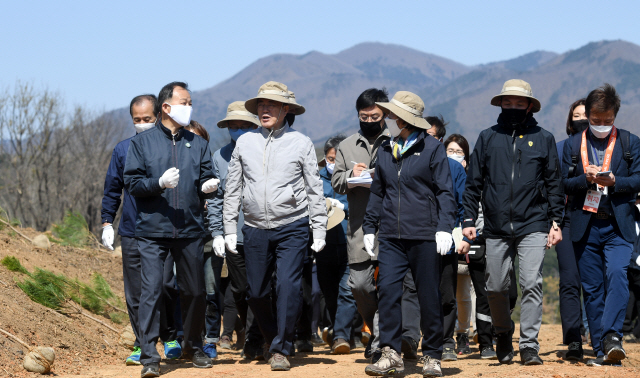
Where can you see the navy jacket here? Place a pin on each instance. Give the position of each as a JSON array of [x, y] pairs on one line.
[[221, 159], [337, 235], [411, 198], [622, 194], [168, 213], [459, 178], [113, 188], [516, 174]]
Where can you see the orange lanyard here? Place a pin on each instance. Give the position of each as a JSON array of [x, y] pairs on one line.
[[584, 152]]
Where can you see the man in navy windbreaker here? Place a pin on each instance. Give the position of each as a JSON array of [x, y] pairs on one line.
[[169, 171]]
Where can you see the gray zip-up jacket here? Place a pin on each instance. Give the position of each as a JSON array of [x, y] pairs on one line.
[[274, 176]]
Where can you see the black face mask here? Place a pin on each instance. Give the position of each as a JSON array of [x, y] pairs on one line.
[[514, 117], [580, 125], [370, 129]]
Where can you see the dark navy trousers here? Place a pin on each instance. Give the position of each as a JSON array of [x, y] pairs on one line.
[[395, 258], [283, 250], [603, 258], [570, 304]]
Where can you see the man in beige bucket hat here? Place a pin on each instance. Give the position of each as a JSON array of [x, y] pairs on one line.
[[514, 170], [273, 174], [238, 121]]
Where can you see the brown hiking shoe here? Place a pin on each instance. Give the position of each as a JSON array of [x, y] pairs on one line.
[[340, 346], [390, 363], [279, 362]]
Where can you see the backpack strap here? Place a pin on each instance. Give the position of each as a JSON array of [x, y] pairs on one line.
[[625, 141], [575, 154]]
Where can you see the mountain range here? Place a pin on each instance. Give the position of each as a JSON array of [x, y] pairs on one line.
[[328, 85]]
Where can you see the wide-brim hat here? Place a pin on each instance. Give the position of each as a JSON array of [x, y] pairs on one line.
[[294, 107], [334, 214], [274, 91], [517, 87], [237, 112], [408, 107]]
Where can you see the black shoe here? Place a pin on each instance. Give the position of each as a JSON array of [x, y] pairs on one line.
[[449, 354], [316, 340], [367, 350], [504, 347], [487, 353], [304, 346], [409, 348], [356, 342], [252, 352], [150, 370], [463, 344], [376, 355], [600, 361], [575, 352], [201, 360], [613, 348], [265, 351], [529, 356]]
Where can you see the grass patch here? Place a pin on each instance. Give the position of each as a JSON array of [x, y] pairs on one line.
[[73, 231], [118, 317], [13, 264]]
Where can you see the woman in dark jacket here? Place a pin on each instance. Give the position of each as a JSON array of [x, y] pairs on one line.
[[412, 208]]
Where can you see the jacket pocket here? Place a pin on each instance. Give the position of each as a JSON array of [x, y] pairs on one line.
[[250, 205], [285, 203]]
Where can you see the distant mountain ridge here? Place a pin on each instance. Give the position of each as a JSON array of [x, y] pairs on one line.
[[328, 85]]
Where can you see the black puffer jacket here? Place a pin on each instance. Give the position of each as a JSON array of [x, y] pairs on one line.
[[517, 174], [168, 213]]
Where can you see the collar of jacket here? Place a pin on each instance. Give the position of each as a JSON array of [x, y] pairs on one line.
[[167, 132], [530, 123], [384, 134], [276, 134], [324, 172], [419, 138]]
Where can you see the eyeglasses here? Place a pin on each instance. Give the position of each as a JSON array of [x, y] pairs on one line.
[[370, 118], [456, 152]]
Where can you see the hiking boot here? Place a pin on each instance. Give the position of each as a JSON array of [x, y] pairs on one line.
[[252, 352], [304, 346], [389, 363], [575, 352], [488, 353], [279, 362], [463, 344], [409, 348], [340, 346], [316, 340], [265, 352], [150, 370], [504, 347], [529, 356], [613, 348], [431, 367], [210, 350], [201, 360], [134, 357], [449, 354], [172, 350], [225, 342]]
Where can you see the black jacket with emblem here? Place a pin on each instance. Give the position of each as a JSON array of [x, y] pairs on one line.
[[515, 172]]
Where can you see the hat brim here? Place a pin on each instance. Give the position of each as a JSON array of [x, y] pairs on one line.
[[223, 123], [495, 101], [336, 217], [404, 115], [252, 104]]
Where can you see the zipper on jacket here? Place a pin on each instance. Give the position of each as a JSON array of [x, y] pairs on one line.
[[513, 168], [265, 171], [175, 190]]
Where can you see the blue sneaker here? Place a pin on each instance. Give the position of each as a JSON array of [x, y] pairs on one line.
[[172, 350], [210, 350], [134, 358]]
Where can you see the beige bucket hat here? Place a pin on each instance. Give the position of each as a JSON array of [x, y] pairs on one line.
[[274, 91], [237, 112], [408, 107], [334, 214], [517, 87], [294, 107]]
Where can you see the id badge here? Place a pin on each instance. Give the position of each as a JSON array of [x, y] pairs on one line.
[[592, 201]]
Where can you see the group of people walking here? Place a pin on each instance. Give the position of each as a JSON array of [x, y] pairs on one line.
[[392, 218]]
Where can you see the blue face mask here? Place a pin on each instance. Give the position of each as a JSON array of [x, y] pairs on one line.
[[237, 133]]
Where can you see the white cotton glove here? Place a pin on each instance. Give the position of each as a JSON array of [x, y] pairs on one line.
[[444, 241], [218, 246], [318, 245], [638, 261], [336, 203], [210, 185], [170, 178], [369, 243], [231, 242], [108, 236]]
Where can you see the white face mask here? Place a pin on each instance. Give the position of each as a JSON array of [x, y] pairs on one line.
[[394, 130], [140, 127], [600, 131], [458, 158], [181, 114], [331, 167]]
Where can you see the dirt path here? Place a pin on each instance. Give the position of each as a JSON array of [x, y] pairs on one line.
[[321, 364]]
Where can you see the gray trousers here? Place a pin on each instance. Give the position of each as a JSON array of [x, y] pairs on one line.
[[363, 286], [500, 254]]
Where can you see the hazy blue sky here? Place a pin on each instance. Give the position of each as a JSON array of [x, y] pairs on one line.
[[102, 53]]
